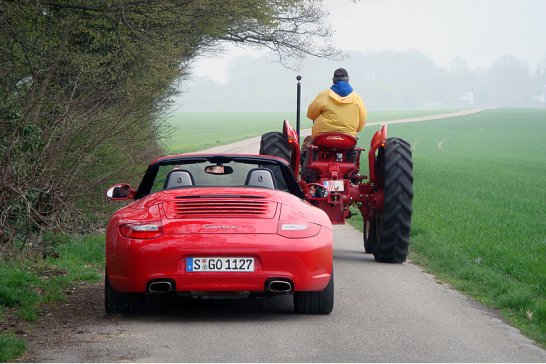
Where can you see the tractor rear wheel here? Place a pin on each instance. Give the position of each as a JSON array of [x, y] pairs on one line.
[[275, 143], [393, 230]]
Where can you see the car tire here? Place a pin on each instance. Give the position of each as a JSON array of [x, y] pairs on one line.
[[124, 303], [393, 231], [321, 302], [275, 144]]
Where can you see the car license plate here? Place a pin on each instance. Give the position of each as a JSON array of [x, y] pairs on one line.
[[334, 186], [219, 264]]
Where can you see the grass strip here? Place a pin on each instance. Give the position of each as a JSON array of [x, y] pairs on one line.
[[28, 282], [11, 346]]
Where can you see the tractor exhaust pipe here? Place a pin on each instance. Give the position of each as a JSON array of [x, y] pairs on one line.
[[279, 286], [159, 287], [298, 106]]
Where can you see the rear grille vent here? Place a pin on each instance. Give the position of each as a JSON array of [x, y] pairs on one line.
[[221, 207]]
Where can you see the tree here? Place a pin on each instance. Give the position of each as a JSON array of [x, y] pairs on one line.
[[463, 83], [509, 83], [84, 85]]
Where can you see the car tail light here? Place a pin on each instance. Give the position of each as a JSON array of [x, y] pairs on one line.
[[297, 230], [148, 230]]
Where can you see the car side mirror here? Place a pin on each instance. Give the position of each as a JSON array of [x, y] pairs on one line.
[[122, 191], [316, 191]]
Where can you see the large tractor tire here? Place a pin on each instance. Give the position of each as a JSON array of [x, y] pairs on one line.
[[275, 144], [124, 303], [318, 303], [392, 228]]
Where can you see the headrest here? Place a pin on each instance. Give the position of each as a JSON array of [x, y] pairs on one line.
[[178, 178], [260, 177]]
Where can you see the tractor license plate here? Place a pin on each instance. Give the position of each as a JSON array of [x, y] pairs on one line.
[[334, 186], [219, 264]]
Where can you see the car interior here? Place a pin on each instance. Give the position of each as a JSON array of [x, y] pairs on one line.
[[218, 171]]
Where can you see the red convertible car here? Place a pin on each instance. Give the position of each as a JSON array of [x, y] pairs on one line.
[[218, 226]]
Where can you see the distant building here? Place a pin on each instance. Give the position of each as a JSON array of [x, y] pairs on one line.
[[468, 97]]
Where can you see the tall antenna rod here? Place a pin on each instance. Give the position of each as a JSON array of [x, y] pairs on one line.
[[298, 108]]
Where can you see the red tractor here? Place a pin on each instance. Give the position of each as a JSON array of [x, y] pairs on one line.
[[331, 180]]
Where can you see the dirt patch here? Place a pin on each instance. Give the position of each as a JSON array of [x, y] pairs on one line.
[[455, 114], [15, 324], [62, 323]]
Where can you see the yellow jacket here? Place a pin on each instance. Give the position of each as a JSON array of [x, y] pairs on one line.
[[331, 112]]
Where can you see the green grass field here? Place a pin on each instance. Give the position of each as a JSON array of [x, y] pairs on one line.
[[195, 131], [479, 218]]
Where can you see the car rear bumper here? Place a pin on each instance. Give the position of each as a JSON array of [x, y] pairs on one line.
[[305, 262]]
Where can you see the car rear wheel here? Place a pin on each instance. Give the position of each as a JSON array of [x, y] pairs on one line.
[[393, 230], [124, 303], [321, 302]]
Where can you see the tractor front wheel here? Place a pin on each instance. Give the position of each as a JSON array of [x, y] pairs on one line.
[[393, 229]]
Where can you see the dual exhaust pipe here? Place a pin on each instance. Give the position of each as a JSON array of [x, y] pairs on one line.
[[166, 286], [279, 286], [160, 287]]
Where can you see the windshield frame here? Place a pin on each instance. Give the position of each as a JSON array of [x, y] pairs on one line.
[[150, 175]]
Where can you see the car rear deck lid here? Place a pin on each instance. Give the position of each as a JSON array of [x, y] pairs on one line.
[[218, 196], [187, 207]]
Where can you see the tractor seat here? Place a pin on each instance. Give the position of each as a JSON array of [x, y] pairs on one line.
[[335, 141]]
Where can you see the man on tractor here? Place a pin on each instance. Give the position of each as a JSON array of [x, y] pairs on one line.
[[337, 109]]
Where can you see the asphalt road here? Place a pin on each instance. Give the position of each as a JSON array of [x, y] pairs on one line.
[[382, 313]]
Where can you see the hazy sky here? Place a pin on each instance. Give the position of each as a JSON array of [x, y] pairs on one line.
[[477, 30]]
